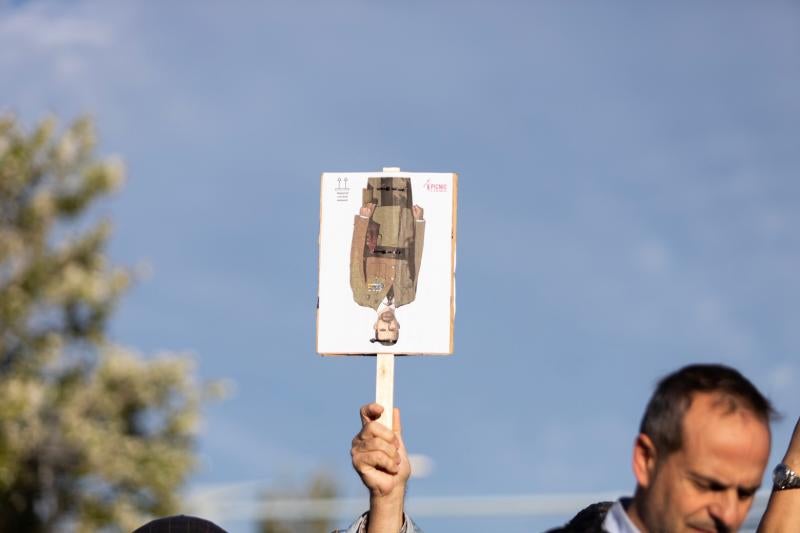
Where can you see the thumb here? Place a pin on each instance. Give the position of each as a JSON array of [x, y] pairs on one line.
[[397, 426], [370, 412]]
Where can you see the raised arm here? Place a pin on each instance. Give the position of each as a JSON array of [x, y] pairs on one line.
[[380, 458], [783, 510]]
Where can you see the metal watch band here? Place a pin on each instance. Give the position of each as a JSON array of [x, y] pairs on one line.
[[783, 477]]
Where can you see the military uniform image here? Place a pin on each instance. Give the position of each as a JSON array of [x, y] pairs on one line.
[[386, 251]]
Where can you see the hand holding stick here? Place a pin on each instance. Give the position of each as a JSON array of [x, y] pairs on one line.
[[380, 459]]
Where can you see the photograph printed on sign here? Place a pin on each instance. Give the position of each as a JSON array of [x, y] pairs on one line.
[[387, 245]]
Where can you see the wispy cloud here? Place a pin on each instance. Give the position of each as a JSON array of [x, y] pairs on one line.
[[42, 38], [42, 28], [782, 376]]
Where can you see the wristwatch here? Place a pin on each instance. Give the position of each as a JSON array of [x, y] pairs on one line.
[[784, 478]]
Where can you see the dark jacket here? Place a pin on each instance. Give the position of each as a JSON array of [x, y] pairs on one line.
[[589, 520]]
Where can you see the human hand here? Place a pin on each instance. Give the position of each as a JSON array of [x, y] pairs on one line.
[[379, 455], [792, 457], [783, 509], [367, 210], [418, 212]]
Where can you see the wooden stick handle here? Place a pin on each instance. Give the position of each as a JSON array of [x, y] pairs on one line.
[[384, 387]]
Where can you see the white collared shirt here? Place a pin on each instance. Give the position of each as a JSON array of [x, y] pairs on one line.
[[617, 520], [384, 307]]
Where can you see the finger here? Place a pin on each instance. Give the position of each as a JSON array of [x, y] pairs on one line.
[[370, 443], [376, 459], [401, 447], [363, 462], [369, 412], [397, 426], [375, 430], [391, 449], [378, 430]]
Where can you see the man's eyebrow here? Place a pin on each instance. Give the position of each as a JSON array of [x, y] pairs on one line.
[[751, 489], [716, 484], [708, 480]]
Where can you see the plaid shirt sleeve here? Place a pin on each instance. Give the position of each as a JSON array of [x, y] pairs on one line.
[[360, 526]]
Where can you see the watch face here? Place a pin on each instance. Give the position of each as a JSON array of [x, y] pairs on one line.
[[780, 475], [784, 477]]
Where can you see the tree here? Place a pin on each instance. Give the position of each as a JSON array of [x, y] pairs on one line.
[[92, 435], [321, 489]]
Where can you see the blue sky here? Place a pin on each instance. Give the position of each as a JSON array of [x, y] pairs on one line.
[[628, 204]]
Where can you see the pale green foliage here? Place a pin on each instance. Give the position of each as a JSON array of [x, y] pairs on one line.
[[92, 436], [320, 487]]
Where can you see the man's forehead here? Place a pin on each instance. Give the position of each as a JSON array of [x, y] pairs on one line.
[[703, 406], [731, 447]]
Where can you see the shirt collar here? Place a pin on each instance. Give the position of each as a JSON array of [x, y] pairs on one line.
[[383, 307], [617, 520]]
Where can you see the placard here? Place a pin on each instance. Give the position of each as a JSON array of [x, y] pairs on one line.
[[387, 246]]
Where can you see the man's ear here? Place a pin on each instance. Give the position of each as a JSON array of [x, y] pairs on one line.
[[645, 458]]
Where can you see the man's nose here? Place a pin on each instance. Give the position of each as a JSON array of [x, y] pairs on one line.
[[728, 511]]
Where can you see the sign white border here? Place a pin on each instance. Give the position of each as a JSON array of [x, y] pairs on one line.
[[426, 324]]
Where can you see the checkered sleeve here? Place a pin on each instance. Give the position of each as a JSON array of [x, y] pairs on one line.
[[360, 526]]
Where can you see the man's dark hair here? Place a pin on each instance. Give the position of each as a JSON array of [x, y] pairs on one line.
[[663, 418], [180, 524]]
